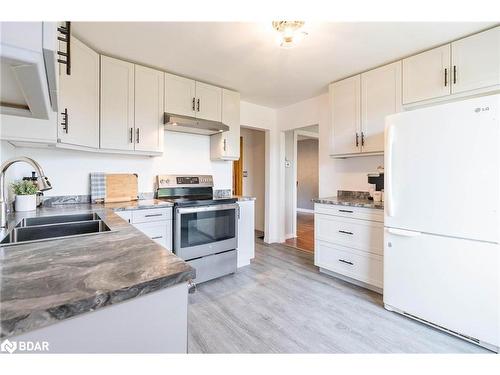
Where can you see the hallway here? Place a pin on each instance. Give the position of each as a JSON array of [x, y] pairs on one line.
[[305, 232]]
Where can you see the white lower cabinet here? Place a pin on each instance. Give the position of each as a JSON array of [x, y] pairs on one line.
[[246, 232], [350, 246], [158, 231], [156, 223]]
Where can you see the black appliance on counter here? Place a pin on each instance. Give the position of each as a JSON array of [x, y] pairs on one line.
[[205, 229]]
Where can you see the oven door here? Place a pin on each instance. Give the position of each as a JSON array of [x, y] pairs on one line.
[[205, 230]]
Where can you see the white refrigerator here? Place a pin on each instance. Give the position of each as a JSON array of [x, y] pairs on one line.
[[442, 207]]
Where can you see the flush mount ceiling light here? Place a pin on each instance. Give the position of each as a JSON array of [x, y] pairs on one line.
[[289, 32]]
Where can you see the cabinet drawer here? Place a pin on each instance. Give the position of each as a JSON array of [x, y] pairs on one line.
[[149, 215], [363, 235], [373, 214], [160, 232], [360, 266]]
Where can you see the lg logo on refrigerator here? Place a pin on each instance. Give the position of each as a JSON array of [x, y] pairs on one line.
[[481, 109]]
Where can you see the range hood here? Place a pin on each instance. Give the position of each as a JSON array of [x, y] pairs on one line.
[[187, 124]]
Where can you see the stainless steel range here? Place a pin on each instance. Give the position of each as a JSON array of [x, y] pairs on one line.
[[205, 229]]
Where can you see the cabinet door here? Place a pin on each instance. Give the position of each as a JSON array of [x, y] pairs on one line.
[[476, 61], [180, 95], [345, 105], [208, 102], [148, 109], [427, 75], [157, 231], [380, 96], [117, 104], [79, 95], [226, 146]]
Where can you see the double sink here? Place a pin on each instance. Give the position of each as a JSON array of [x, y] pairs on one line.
[[52, 227]]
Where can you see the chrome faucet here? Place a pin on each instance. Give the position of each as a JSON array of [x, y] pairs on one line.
[[43, 183]]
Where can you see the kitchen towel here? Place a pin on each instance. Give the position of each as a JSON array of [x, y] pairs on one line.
[[97, 186]]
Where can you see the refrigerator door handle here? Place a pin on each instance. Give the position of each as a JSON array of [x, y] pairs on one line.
[[389, 204], [402, 232]]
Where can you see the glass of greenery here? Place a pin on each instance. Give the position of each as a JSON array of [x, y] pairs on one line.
[[25, 192]]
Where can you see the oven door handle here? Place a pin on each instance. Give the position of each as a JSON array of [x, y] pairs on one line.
[[215, 207]]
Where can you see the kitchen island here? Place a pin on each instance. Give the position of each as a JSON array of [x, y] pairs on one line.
[[114, 291]]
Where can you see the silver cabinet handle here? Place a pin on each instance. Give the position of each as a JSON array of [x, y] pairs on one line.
[[348, 211], [131, 135], [191, 287], [454, 74], [225, 144], [194, 99], [152, 215], [362, 138], [137, 133], [156, 238], [357, 139], [445, 77], [198, 105]]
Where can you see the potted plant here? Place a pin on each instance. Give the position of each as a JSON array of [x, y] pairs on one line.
[[25, 192]]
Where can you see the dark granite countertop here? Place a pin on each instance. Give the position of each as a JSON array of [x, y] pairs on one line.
[[44, 282], [351, 198]]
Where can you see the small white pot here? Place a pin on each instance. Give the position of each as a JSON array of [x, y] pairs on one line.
[[25, 202]]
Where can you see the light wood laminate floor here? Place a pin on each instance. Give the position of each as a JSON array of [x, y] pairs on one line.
[[282, 304], [305, 232]]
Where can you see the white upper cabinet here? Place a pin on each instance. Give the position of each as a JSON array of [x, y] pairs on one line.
[[427, 75], [180, 95], [78, 119], [345, 104], [226, 145], [148, 109], [380, 97], [208, 102], [476, 61], [187, 97], [117, 104]]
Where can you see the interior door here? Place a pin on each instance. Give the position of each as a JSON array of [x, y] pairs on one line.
[[180, 95], [117, 104], [380, 97], [442, 169], [208, 102], [79, 96], [476, 61], [427, 75], [450, 282], [346, 107], [148, 109]]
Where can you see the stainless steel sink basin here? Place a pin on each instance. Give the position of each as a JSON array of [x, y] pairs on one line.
[[44, 220], [54, 231]]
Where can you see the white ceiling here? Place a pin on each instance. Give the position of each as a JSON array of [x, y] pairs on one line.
[[245, 56]]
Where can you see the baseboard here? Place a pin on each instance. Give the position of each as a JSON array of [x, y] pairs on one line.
[[362, 284], [290, 235], [305, 210]]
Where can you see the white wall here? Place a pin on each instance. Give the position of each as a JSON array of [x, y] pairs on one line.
[[69, 170], [334, 174], [254, 163]]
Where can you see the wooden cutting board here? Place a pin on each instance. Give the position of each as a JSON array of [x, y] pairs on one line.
[[121, 187]]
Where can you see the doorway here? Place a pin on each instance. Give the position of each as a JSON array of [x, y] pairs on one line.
[[301, 180], [249, 173]]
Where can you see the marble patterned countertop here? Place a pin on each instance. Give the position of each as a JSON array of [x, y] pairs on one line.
[[352, 199], [44, 282]]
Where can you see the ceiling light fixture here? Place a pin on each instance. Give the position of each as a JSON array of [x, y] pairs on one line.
[[289, 32]]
